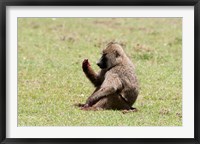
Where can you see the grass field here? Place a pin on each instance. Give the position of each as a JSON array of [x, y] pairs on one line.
[[50, 77]]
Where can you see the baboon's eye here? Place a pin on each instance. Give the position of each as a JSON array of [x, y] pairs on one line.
[[104, 54]]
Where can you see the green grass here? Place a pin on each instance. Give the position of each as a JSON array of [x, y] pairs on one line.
[[50, 77]]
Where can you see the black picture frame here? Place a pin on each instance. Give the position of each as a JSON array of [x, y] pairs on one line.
[[5, 3]]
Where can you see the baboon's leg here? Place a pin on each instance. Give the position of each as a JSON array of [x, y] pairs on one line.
[[110, 86], [112, 102], [84, 105]]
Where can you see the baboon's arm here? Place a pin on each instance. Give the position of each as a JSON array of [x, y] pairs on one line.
[[111, 85], [90, 74]]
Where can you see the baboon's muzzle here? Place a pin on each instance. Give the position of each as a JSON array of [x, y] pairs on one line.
[[102, 63]]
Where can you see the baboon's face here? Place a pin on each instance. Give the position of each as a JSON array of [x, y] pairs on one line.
[[102, 63], [109, 59]]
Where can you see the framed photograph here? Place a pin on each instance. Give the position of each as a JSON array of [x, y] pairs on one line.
[[99, 71]]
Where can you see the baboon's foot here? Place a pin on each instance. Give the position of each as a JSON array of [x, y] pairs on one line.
[[129, 110], [79, 105], [83, 106]]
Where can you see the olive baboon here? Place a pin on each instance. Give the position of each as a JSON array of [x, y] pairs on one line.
[[116, 84]]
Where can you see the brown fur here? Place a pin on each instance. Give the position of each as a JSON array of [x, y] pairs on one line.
[[116, 84]]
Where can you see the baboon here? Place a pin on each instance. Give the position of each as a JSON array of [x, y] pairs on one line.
[[116, 83]]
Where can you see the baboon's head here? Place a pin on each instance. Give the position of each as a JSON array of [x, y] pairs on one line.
[[112, 55]]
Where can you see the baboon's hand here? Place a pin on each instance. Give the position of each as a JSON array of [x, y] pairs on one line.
[[90, 101], [85, 64]]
